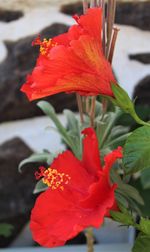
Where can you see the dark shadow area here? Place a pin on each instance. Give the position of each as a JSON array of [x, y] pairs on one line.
[[8, 16], [143, 58], [142, 92]]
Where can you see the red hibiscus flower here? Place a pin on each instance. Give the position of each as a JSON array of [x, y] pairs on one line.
[[72, 62], [80, 194]]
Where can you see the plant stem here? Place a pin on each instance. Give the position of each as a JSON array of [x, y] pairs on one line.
[[113, 43], [87, 105], [93, 3], [111, 9], [109, 45], [92, 112], [103, 26], [79, 102], [78, 97], [85, 6], [90, 240]]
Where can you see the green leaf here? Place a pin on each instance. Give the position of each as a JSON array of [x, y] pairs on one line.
[[118, 131], [40, 187], [125, 103], [145, 226], [132, 193], [72, 121], [98, 109], [124, 218], [108, 126], [121, 199], [73, 129], [126, 189], [50, 112], [145, 178], [142, 244], [35, 158], [5, 229], [137, 150]]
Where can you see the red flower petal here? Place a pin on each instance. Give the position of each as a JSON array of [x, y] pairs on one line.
[[91, 156], [67, 163], [91, 23], [74, 64], [61, 213], [102, 191], [54, 218], [64, 39], [111, 158], [88, 24]]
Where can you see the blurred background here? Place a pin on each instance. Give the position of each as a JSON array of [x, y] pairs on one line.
[[22, 126]]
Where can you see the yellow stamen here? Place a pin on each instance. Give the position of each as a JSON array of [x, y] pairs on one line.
[[55, 179], [46, 45]]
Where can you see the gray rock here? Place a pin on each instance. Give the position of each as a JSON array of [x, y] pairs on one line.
[[143, 58], [134, 13], [16, 197], [13, 70], [72, 8], [8, 16]]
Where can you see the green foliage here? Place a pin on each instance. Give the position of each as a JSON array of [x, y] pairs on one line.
[[137, 150], [145, 178], [74, 129], [145, 209], [124, 102], [145, 226], [6, 229], [50, 112], [124, 218], [126, 195], [109, 134], [142, 243], [40, 187], [44, 157]]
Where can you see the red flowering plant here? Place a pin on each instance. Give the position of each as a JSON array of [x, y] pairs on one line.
[[91, 181]]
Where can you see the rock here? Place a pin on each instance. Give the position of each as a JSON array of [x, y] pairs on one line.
[[8, 16], [129, 13], [142, 92], [16, 189], [13, 70], [72, 8], [141, 57], [134, 13]]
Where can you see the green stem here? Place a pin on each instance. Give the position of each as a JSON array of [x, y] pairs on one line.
[[139, 121]]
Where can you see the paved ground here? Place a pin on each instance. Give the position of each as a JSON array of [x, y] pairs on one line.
[[98, 248]]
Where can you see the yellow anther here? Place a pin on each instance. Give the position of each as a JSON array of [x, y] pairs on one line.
[[55, 179], [46, 45]]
